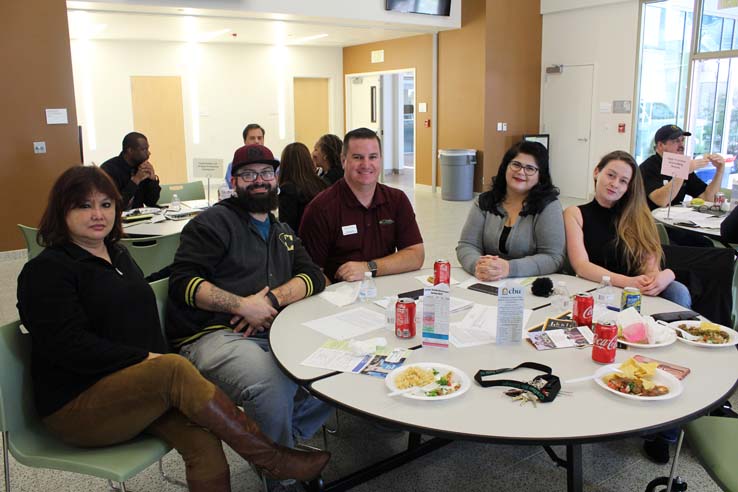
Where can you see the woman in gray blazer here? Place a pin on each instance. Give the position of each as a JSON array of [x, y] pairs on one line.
[[516, 229]]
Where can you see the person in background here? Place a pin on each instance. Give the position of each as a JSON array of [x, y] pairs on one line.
[[298, 183], [516, 229], [670, 138], [359, 225], [729, 227], [252, 134], [327, 158], [100, 374], [133, 174]]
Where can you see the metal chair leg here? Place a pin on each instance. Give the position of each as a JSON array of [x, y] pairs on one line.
[[169, 479], [676, 459], [6, 461], [335, 429]]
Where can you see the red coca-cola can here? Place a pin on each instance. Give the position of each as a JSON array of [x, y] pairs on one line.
[[605, 342], [582, 309], [442, 272], [405, 318]]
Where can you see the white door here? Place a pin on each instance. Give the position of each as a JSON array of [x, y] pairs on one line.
[[567, 117], [364, 102]]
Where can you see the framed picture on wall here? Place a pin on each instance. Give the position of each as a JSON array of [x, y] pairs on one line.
[[541, 138]]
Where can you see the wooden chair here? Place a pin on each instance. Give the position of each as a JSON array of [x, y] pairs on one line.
[[194, 190]]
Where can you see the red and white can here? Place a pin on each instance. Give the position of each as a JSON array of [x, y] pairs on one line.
[[605, 342], [442, 272], [405, 318], [582, 309]]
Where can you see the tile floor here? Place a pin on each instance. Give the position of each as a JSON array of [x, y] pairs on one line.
[[615, 466]]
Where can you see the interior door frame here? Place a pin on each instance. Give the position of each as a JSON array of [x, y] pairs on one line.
[[590, 165]]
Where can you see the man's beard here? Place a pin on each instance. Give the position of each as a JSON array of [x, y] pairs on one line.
[[261, 203]]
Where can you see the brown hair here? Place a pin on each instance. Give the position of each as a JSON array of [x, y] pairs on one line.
[[635, 227], [70, 190], [296, 166]]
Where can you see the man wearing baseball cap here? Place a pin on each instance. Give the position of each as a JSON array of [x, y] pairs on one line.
[[670, 138], [235, 268]]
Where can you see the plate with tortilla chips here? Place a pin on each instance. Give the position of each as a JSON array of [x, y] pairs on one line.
[[711, 334], [638, 381]]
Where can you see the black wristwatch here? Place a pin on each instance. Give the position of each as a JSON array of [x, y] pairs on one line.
[[273, 299], [372, 267]]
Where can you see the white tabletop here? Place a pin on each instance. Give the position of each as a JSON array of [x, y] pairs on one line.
[[146, 228], [707, 223], [588, 414]]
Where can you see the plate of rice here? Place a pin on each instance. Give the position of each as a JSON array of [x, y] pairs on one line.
[[433, 381]]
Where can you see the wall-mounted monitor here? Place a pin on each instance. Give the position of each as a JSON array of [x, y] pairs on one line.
[[430, 7], [541, 138]]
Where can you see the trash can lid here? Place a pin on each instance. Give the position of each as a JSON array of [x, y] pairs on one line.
[[456, 152]]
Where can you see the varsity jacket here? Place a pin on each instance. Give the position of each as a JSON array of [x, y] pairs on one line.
[[222, 246]]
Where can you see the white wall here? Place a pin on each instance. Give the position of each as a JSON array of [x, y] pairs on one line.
[[607, 37], [235, 85], [550, 6]]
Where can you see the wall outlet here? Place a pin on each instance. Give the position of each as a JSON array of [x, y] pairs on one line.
[[39, 147]]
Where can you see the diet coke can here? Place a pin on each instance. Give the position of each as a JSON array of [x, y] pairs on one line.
[[605, 342], [405, 318], [582, 310], [442, 272]]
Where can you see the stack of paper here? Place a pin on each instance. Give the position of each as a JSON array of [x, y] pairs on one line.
[[479, 326], [348, 324]]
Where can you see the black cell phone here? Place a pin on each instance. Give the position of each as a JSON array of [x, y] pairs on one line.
[[413, 294], [676, 316], [487, 289]]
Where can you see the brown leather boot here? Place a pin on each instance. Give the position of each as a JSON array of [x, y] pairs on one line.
[[241, 433], [221, 483]]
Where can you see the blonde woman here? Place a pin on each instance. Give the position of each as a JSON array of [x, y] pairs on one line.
[[615, 235]]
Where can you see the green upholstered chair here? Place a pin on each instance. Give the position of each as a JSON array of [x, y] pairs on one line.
[[152, 253], [29, 234], [194, 190], [715, 442], [663, 236], [26, 438], [161, 291]]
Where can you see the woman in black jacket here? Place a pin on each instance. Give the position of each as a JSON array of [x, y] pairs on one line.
[[298, 183], [99, 373], [327, 158]]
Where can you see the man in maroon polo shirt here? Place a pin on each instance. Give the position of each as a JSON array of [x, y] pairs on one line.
[[358, 225]]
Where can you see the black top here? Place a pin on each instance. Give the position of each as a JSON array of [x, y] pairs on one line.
[[134, 195], [292, 203], [653, 180], [87, 319], [503, 239], [729, 227], [598, 228], [333, 175]]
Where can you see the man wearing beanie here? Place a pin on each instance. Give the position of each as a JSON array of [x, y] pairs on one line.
[[235, 268]]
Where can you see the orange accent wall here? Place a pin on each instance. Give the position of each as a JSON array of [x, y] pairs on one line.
[[512, 76], [34, 47], [461, 94], [413, 52]]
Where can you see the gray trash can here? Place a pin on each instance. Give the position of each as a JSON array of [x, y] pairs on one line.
[[457, 173]]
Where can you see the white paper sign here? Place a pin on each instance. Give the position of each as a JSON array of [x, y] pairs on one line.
[[675, 165], [207, 168], [436, 307], [56, 116], [510, 313]]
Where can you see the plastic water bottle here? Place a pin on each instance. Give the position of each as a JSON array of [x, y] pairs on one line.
[[224, 192], [175, 205], [368, 288], [390, 313], [562, 299], [604, 298]]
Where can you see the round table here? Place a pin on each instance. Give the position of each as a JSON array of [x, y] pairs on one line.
[[587, 414], [707, 224]]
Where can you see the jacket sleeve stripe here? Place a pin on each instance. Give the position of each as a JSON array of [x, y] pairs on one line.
[[308, 283], [191, 289]]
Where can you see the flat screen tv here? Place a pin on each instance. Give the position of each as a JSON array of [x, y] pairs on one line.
[[540, 138], [430, 7]]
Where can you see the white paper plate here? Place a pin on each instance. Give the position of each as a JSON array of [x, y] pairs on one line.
[[671, 338], [692, 323], [662, 378], [441, 368]]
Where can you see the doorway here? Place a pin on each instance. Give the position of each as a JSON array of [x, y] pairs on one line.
[[385, 102], [311, 109], [567, 118]]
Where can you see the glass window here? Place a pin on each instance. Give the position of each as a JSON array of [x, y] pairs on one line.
[[664, 62], [717, 32]]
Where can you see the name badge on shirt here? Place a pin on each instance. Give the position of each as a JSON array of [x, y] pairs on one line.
[[349, 229]]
